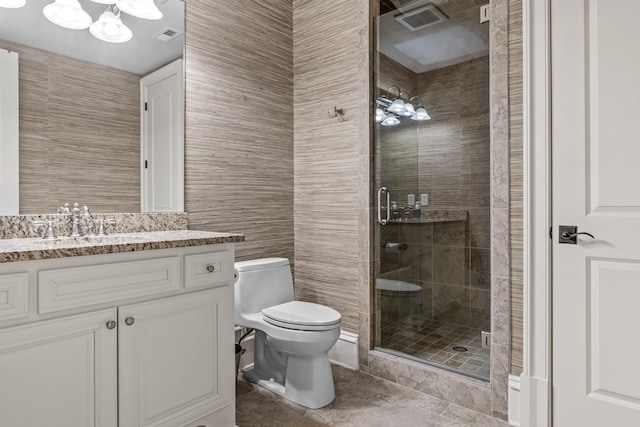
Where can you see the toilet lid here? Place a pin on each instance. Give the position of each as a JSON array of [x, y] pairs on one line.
[[303, 316]]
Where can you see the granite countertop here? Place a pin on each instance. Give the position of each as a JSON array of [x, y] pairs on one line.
[[12, 250]]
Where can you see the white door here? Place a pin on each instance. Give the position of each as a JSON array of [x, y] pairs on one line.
[[162, 135], [176, 360], [596, 187], [60, 373]]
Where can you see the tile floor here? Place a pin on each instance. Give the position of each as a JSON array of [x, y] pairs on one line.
[[361, 400], [434, 341]]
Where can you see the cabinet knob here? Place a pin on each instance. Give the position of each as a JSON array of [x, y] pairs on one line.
[[129, 321], [210, 268], [111, 324]]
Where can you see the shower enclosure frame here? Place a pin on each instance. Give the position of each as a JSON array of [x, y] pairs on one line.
[[492, 397]]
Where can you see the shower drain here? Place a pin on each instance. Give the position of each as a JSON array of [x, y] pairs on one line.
[[460, 349]]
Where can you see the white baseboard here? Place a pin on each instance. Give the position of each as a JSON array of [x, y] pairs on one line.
[[514, 400], [345, 351]]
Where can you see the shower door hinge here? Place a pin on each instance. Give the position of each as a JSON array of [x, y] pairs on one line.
[[486, 339], [485, 13]]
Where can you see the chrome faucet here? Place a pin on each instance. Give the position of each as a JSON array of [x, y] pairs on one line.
[[77, 213]]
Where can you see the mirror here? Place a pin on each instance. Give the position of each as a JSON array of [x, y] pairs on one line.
[[80, 105]]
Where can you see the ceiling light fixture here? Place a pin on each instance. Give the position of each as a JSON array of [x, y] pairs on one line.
[[67, 14], [144, 9], [12, 4], [109, 28]]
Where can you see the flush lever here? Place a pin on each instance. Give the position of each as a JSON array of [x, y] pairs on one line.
[[569, 234]]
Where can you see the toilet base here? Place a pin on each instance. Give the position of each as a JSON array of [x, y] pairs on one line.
[[309, 381]]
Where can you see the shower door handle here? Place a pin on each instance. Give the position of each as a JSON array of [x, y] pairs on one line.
[[384, 221]]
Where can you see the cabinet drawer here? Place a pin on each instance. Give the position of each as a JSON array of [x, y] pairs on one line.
[[14, 299], [68, 288], [208, 268]]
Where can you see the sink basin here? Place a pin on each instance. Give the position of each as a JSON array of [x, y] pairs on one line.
[[91, 240]]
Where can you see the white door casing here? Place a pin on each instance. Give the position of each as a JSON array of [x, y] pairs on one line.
[[596, 173], [9, 126], [162, 139]]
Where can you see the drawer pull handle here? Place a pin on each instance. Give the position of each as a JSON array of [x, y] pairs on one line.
[[211, 268], [111, 324], [129, 321]]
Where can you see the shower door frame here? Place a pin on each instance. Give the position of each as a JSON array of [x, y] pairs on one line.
[[492, 398]]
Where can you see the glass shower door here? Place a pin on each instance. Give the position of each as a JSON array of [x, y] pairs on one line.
[[432, 180]]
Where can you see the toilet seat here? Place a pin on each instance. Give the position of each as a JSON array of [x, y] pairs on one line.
[[302, 316]]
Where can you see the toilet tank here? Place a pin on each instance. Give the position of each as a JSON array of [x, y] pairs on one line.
[[261, 283]]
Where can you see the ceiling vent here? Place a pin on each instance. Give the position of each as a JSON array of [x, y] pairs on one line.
[[422, 17], [167, 34]]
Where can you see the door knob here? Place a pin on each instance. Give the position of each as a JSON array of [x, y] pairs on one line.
[[210, 268], [569, 234], [129, 321]]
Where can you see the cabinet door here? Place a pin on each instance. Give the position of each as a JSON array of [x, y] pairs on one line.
[[60, 373], [176, 360]]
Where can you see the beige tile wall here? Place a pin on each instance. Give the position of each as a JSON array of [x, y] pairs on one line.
[[239, 122], [79, 133], [447, 158]]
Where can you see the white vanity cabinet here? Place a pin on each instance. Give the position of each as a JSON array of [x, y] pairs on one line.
[[98, 347]]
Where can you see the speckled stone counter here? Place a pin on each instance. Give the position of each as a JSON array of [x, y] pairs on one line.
[[12, 250]]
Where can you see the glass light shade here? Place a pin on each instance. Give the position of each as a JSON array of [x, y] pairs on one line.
[[421, 114], [390, 120], [380, 116], [67, 14], [144, 9], [12, 4], [408, 110], [109, 28], [397, 106]]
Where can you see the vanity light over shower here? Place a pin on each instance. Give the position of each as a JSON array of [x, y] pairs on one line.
[[389, 110]]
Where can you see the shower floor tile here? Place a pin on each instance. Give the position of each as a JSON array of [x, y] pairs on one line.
[[433, 341]]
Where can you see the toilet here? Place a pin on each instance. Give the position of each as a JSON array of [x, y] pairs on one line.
[[292, 338]]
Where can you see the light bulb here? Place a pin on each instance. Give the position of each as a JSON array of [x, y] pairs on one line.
[[390, 120]]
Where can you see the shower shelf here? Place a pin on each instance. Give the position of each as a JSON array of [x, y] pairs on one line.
[[435, 215]]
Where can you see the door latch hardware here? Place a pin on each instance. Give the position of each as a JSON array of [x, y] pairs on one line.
[[569, 234]]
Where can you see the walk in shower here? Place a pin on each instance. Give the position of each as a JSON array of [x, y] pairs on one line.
[[432, 288]]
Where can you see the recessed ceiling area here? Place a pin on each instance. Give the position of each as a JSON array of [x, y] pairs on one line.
[[458, 38], [142, 54]]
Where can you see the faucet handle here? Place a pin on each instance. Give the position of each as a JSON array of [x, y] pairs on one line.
[[48, 234], [101, 224], [64, 210]]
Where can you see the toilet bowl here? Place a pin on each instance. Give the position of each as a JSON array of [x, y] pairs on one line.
[[292, 337]]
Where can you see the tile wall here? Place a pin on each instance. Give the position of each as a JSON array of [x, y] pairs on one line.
[[448, 159]]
